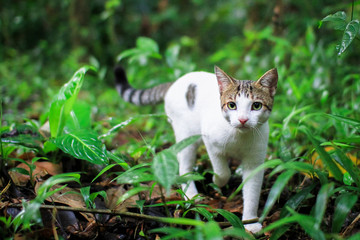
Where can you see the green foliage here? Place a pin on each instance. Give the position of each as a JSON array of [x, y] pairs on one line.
[[84, 145], [316, 105], [30, 213], [62, 105], [351, 29]]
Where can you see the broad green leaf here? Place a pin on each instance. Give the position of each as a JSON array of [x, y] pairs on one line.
[[275, 191], [351, 30], [338, 19], [63, 102], [165, 167], [232, 218], [321, 203], [83, 144], [176, 148], [80, 117], [344, 204], [325, 156]]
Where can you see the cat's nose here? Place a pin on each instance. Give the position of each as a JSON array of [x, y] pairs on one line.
[[243, 120]]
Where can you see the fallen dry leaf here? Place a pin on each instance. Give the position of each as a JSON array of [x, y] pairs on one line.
[[41, 169]]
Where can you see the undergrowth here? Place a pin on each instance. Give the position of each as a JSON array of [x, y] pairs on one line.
[[312, 182]]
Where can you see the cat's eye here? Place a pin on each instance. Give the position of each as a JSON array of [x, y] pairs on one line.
[[231, 105], [256, 106]]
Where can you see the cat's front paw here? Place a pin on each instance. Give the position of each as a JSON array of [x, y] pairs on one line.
[[253, 227]]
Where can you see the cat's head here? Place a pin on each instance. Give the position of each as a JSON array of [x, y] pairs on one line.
[[247, 104]]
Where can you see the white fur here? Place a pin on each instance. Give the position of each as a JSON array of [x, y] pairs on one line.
[[223, 140]]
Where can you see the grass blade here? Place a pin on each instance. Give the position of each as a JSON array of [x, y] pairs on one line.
[[325, 156], [321, 201], [232, 218], [275, 191], [344, 204]]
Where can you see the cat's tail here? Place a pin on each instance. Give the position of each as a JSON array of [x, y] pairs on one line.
[[148, 96]]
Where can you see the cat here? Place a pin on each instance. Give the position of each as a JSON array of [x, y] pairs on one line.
[[230, 115]]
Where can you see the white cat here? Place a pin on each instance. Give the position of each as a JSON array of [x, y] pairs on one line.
[[230, 115]]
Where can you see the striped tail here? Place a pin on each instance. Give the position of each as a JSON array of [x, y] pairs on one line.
[[148, 96]]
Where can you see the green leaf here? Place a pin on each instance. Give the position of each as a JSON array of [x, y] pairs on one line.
[[212, 231], [295, 200], [347, 179], [165, 167], [306, 222], [344, 204], [338, 19], [321, 200], [351, 30], [204, 212], [104, 170], [325, 156], [145, 48], [83, 144], [275, 191], [232, 218], [353, 172], [173, 233], [237, 234], [80, 117], [176, 148], [135, 175], [350, 121], [63, 102], [131, 193]]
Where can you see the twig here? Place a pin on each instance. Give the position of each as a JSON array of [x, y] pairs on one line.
[[351, 226], [127, 214]]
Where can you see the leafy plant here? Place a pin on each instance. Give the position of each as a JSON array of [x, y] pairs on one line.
[[350, 29]]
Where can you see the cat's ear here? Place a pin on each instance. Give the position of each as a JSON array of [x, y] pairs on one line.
[[224, 80], [269, 80]]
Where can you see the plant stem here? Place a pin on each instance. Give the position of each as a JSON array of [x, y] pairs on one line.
[[189, 222], [352, 10], [164, 202]]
